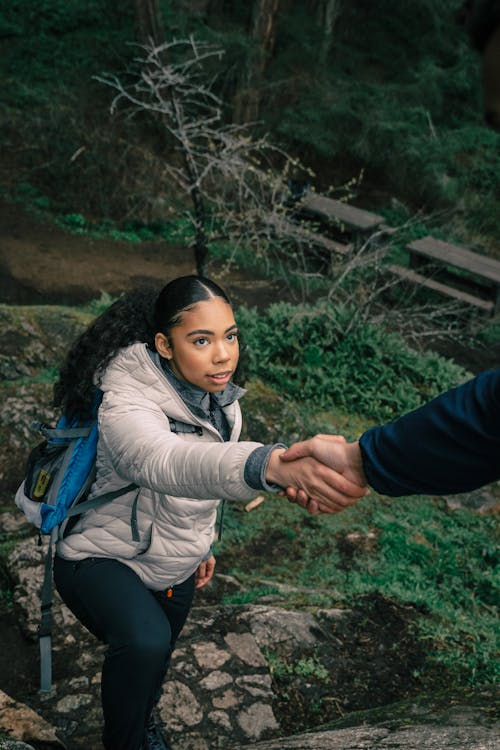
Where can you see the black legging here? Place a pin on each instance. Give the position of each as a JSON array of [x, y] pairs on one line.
[[140, 628]]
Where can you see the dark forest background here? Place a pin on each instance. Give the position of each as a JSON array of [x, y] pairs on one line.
[[383, 96]]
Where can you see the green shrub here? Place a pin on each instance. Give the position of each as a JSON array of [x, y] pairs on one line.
[[52, 16], [98, 306], [317, 354], [305, 667]]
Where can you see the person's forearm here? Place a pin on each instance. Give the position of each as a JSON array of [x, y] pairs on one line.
[[354, 467], [275, 472], [451, 444]]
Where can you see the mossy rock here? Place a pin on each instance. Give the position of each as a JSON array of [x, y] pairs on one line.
[[34, 339]]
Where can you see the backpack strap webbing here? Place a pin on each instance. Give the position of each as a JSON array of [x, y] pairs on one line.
[[62, 433], [178, 427], [98, 500], [45, 627]]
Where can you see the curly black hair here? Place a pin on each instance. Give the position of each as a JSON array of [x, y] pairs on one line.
[[128, 320], [136, 317]]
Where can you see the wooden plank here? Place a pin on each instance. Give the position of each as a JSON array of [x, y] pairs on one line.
[[330, 209], [285, 228], [416, 278], [387, 230], [481, 265]]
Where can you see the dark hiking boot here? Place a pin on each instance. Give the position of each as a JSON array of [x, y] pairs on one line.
[[154, 739]]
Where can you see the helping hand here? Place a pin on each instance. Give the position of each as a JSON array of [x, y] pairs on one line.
[[318, 487], [343, 458]]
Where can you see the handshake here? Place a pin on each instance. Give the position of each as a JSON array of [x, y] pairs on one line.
[[323, 474]]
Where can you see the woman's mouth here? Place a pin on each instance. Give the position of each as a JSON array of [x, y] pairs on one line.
[[221, 377]]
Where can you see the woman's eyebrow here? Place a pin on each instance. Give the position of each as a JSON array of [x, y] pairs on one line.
[[209, 333], [198, 331]]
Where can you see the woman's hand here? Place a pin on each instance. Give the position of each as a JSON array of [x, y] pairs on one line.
[[204, 572], [310, 482]]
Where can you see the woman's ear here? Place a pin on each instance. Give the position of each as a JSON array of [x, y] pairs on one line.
[[163, 346]]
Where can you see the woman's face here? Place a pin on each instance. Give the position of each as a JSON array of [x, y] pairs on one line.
[[203, 348]]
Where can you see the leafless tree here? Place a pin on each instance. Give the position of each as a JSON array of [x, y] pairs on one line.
[[236, 183]]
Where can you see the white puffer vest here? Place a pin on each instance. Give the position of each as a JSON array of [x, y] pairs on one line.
[[178, 476]]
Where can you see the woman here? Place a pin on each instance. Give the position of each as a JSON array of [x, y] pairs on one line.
[[168, 422]]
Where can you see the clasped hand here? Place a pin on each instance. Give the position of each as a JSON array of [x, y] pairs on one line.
[[323, 474]]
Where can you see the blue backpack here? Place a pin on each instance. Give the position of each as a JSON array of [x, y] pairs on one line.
[[59, 474]]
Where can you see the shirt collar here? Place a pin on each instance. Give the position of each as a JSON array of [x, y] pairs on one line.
[[197, 399]]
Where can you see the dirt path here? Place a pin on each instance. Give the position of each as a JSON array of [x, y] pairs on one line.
[[40, 263]]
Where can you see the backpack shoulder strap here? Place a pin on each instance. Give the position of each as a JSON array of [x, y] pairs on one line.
[[62, 433], [99, 500]]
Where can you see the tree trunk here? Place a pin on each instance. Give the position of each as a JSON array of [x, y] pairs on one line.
[[200, 244], [262, 33], [149, 22], [327, 13]]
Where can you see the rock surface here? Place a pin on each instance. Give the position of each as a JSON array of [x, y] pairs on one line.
[[24, 724], [221, 693], [380, 738]]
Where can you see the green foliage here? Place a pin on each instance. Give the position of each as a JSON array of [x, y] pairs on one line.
[[401, 98], [490, 334], [58, 37], [97, 306], [178, 230], [412, 551], [305, 667], [75, 222], [47, 376], [447, 564], [322, 355], [6, 599], [51, 16], [250, 595]]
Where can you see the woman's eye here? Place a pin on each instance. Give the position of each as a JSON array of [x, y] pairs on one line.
[[201, 341], [232, 336]]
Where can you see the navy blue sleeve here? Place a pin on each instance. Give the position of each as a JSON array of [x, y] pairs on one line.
[[451, 444]]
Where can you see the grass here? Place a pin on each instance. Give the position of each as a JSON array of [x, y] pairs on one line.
[[412, 550]]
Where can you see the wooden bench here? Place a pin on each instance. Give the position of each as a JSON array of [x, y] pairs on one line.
[[346, 218], [416, 278], [285, 228], [434, 264]]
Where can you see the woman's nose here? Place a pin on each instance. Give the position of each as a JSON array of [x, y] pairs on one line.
[[221, 353]]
